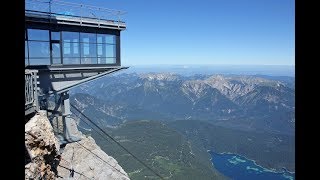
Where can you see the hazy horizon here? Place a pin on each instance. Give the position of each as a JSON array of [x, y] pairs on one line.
[[188, 69]]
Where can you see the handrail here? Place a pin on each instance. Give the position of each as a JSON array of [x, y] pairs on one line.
[[67, 15], [57, 7], [31, 95]]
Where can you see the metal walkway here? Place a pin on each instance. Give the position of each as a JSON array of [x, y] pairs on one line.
[[73, 14]]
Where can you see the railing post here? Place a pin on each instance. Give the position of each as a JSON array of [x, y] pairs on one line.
[[80, 14], [118, 19], [50, 14], [99, 18], [35, 91], [31, 91]]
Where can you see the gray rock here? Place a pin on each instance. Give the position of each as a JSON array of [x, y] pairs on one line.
[[84, 157], [42, 147]]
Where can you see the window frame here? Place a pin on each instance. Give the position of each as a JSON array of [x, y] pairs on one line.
[[77, 45]]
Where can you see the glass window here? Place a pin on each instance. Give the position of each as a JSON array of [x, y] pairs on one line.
[[38, 49], [85, 40], [111, 39], [66, 47], [26, 49], [75, 46], [106, 38], [56, 60], [106, 60], [99, 39], [85, 49], [101, 50], [56, 50], [26, 60], [55, 35], [88, 37], [71, 50], [88, 50], [70, 36], [71, 60], [88, 60], [37, 34], [70, 44], [39, 61], [106, 50], [101, 60], [111, 51]]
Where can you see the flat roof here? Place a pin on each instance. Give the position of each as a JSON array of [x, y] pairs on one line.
[[44, 17], [60, 12]]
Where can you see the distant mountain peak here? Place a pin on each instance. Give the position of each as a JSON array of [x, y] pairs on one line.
[[195, 87], [159, 76]]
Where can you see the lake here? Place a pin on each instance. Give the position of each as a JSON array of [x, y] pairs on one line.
[[240, 168]]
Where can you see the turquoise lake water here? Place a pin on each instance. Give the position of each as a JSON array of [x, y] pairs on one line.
[[240, 168]]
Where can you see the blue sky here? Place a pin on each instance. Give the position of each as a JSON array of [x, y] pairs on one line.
[[259, 32]]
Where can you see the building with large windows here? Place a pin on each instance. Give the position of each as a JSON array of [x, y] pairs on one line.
[[67, 46], [63, 50]]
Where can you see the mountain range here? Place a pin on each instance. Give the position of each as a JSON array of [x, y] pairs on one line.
[[250, 103]]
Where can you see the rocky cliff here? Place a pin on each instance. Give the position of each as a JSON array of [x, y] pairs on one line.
[[45, 160]]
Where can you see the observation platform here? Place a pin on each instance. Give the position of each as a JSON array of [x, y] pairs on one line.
[[69, 44], [66, 45]]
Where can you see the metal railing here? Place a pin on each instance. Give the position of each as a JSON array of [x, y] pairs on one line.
[[68, 9], [31, 91]]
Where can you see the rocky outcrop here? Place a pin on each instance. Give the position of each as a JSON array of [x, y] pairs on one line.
[[42, 147], [45, 160], [89, 161]]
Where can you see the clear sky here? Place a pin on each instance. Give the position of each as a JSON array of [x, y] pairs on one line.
[[259, 32]]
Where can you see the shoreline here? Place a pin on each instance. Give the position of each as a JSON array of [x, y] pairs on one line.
[[284, 170]]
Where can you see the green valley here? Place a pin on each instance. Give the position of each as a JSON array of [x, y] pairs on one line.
[[161, 148]]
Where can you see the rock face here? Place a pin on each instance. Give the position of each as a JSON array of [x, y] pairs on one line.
[[89, 161], [45, 160], [42, 147]]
